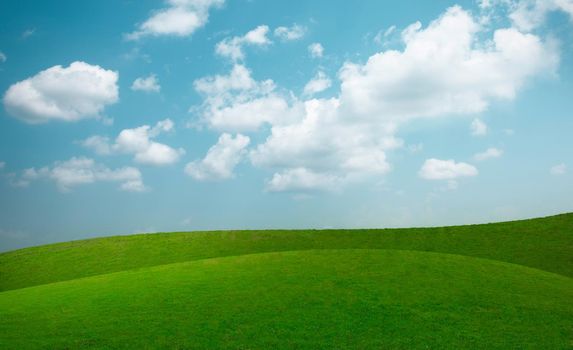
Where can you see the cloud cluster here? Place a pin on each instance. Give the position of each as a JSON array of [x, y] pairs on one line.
[[319, 83], [80, 170], [437, 169], [302, 180], [139, 143], [63, 93], [316, 50], [325, 145], [237, 102], [490, 153], [220, 160], [146, 84], [478, 127], [448, 68], [181, 18], [454, 66], [444, 69], [232, 48], [528, 15], [295, 32]]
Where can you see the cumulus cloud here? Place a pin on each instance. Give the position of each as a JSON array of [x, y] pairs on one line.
[[530, 14], [478, 127], [221, 159], [180, 18], [444, 69], [302, 180], [490, 153], [294, 32], [237, 102], [559, 169], [139, 143], [436, 169], [232, 48], [316, 50], [452, 67], [3, 57], [2, 165], [319, 83], [324, 143], [79, 171], [63, 93], [146, 84], [99, 144]]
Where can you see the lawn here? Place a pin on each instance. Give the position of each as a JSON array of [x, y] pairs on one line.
[[315, 299], [493, 286], [545, 243]]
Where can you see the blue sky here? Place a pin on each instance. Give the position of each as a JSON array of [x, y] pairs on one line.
[[140, 116]]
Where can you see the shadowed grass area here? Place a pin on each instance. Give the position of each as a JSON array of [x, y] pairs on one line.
[[544, 243], [316, 299]]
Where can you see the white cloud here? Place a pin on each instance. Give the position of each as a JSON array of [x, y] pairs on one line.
[[436, 169], [294, 32], [181, 18], [138, 142], [490, 153], [324, 143], [530, 14], [454, 66], [220, 160], [302, 180], [484, 4], [559, 169], [147, 84], [2, 165], [236, 102], [233, 47], [478, 127], [384, 34], [3, 57], [444, 69], [63, 93], [99, 144], [389, 31], [80, 170], [319, 83], [316, 50]]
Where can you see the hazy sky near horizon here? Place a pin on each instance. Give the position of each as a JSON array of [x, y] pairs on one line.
[[127, 116]]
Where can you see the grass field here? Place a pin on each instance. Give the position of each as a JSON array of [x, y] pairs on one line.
[[495, 286]]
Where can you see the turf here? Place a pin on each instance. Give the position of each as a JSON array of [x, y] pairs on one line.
[[495, 286], [545, 243], [315, 299]]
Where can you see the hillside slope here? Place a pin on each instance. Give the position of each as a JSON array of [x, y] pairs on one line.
[[545, 243], [314, 299]]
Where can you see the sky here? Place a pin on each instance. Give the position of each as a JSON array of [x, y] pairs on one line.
[[124, 116]]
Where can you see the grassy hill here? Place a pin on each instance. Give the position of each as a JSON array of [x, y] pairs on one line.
[[544, 243], [495, 286]]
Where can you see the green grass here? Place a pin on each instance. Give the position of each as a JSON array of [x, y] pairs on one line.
[[544, 243], [316, 299], [495, 286]]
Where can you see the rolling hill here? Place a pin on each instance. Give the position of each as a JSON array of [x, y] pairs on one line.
[[497, 286]]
